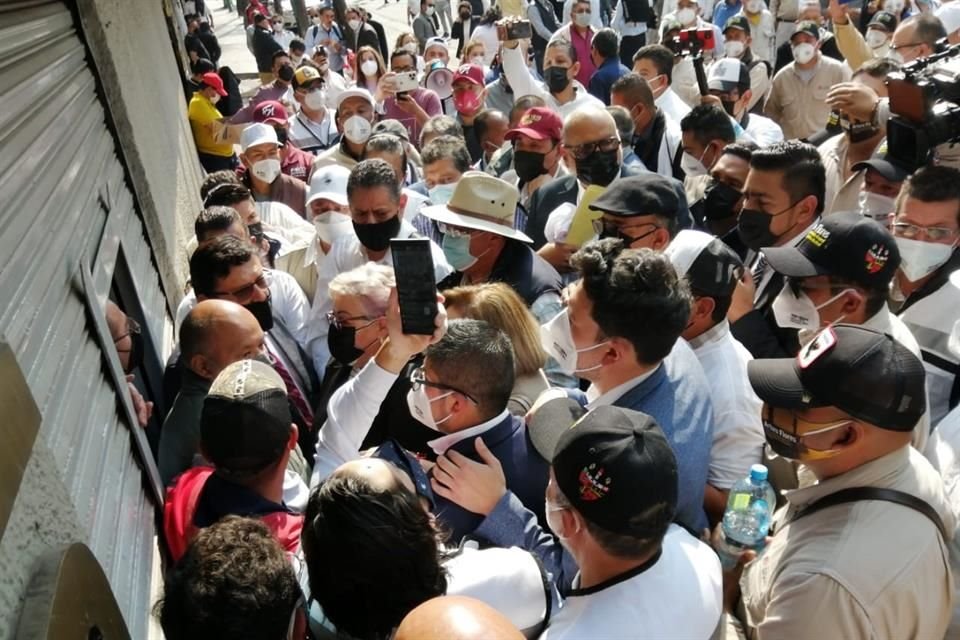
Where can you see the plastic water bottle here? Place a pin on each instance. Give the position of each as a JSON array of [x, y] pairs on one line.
[[747, 518]]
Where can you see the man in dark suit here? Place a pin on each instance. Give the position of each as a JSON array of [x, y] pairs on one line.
[[463, 26], [361, 34], [783, 198]]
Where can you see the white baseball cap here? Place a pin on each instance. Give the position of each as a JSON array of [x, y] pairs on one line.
[[435, 42], [482, 202], [329, 183], [354, 93], [258, 133]]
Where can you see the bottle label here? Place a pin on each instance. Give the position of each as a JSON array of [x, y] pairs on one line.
[[741, 501]]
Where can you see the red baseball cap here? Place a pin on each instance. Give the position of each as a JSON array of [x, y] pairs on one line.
[[211, 79], [538, 123], [470, 72], [270, 112]]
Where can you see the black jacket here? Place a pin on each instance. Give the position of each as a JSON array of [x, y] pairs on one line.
[[365, 37], [758, 330], [210, 41], [264, 46], [456, 31]]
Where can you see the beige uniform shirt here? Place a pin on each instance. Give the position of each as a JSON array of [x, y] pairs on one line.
[[841, 195], [868, 569], [800, 108]]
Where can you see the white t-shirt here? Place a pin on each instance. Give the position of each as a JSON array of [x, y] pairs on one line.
[[737, 428], [943, 452], [680, 596]]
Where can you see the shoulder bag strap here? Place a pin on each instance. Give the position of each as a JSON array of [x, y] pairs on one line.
[[856, 494]]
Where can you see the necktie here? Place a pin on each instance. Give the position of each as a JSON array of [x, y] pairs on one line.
[[293, 391], [758, 270]]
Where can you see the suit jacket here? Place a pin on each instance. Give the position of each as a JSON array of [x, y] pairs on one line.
[[526, 473], [381, 39], [424, 30], [758, 330], [264, 47], [456, 31], [365, 37]]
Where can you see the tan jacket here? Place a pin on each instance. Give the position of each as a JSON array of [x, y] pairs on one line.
[[800, 108], [868, 569], [853, 47], [841, 195]]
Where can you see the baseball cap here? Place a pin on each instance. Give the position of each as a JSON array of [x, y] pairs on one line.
[[885, 20], [434, 42], [354, 93], [738, 22], [643, 195], [809, 27], [483, 202], [305, 75], [862, 372], [727, 74], [551, 419], [258, 133], [212, 80], [538, 123], [329, 183], [845, 244], [245, 421], [710, 266], [472, 73], [949, 15], [270, 112], [617, 469], [391, 127], [884, 164]]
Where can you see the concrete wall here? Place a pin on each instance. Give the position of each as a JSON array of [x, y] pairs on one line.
[[134, 56]]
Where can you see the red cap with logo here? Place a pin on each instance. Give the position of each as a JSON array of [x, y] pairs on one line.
[[538, 123], [472, 73], [270, 112], [212, 80]]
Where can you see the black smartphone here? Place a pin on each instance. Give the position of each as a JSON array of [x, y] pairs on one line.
[[519, 30], [416, 288]]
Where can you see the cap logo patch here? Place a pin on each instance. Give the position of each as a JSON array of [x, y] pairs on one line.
[[530, 118], [593, 486], [267, 109], [876, 258], [464, 69], [818, 235], [819, 347]]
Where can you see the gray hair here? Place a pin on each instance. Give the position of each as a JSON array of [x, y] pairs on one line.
[[370, 282]]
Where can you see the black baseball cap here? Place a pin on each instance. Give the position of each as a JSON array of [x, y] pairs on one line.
[[847, 245], [709, 265], [617, 469], [245, 421], [807, 26], [884, 164], [644, 195], [737, 22], [885, 20], [862, 372]]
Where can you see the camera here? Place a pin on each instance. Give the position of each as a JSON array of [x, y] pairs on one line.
[[692, 42], [924, 106]]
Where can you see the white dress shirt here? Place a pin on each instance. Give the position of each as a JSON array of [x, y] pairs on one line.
[[347, 253], [444, 442], [737, 428], [524, 84], [597, 399], [671, 105]]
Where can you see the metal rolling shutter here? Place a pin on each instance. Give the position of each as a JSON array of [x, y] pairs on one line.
[[65, 207]]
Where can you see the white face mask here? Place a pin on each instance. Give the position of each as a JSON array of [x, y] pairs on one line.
[[919, 259], [357, 129], [691, 166], [686, 16], [894, 6], [332, 225], [315, 100], [875, 38], [412, 48], [317, 21], [582, 19], [799, 312], [876, 206], [897, 57], [754, 6], [733, 48], [430, 12], [266, 170], [369, 68], [441, 193], [215, 98], [477, 60], [323, 68], [804, 52], [557, 340], [354, 24], [419, 404], [278, 27]]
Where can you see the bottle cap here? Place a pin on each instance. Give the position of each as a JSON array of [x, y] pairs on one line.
[[758, 473]]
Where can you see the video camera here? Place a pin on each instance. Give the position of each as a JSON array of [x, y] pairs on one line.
[[924, 106], [693, 42]]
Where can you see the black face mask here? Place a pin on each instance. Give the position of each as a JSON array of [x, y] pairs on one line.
[[281, 135], [262, 312], [286, 73], [377, 236], [720, 201], [729, 106], [464, 15], [528, 164], [600, 168], [342, 344], [556, 79], [754, 229]]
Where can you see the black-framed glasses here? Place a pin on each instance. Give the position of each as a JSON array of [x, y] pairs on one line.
[[338, 323], [418, 378], [133, 328], [246, 292], [587, 149]]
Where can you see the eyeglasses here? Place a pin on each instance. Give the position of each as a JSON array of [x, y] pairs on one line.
[[905, 46], [798, 286], [912, 231], [587, 149], [418, 378], [133, 328], [338, 323], [607, 229], [262, 282]]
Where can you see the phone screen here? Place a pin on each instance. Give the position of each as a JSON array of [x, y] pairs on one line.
[[416, 288]]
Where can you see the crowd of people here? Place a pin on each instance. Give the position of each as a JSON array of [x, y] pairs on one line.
[[646, 284]]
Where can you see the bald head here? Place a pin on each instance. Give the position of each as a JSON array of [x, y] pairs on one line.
[[588, 124], [916, 36], [456, 618], [217, 333]]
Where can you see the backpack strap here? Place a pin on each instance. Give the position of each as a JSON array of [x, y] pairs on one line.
[[856, 494]]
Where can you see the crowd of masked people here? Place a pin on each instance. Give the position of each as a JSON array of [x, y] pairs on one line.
[[642, 292]]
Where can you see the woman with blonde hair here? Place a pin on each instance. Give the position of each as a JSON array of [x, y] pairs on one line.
[[500, 305]]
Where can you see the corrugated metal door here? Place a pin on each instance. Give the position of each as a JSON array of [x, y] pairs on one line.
[[65, 208]]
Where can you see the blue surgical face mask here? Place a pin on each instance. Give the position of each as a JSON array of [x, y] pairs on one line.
[[441, 193], [456, 249]]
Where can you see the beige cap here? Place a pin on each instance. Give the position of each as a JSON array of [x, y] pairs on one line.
[[483, 202]]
